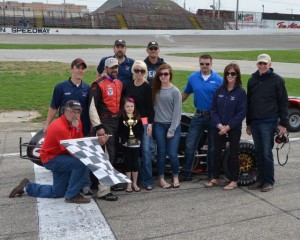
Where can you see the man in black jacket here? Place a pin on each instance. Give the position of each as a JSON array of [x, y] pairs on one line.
[[153, 61], [267, 114]]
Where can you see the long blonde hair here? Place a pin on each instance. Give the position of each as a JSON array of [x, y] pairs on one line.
[[140, 64]]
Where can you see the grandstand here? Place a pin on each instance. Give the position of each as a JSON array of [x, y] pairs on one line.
[[113, 14]]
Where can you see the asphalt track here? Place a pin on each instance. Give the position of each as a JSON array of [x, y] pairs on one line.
[[190, 212]]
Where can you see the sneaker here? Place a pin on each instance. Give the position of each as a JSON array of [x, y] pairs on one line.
[[255, 186], [19, 190], [109, 197], [86, 191], [266, 188], [117, 187], [78, 199]]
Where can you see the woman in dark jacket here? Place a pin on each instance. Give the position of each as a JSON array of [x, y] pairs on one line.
[[228, 111]]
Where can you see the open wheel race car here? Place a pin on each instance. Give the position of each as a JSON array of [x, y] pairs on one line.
[[294, 114], [248, 165]]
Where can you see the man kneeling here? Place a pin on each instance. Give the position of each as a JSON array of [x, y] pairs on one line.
[[69, 172]]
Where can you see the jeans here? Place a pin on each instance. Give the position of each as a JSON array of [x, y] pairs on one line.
[[198, 124], [68, 178], [166, 146], [147, 142], [263, 136]]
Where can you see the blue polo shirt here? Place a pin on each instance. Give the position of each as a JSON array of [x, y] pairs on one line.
[[124, 74], [203, 90], [66, 91]]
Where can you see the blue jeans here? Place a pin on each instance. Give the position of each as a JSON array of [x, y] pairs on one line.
[[68, 178], [147, 158], [198, 124], [166, 146], [263, 136]]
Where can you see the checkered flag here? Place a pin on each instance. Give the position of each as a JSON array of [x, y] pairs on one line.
[[91, 154]]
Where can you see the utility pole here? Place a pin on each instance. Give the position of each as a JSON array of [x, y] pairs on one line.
[[237, 15], [219, 5], [213, 6]]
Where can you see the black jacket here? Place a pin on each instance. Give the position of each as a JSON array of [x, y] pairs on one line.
[[267, 98], [152, 68]]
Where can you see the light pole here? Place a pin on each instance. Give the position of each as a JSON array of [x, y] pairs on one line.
[[237, 15], [3, 12], [291, 10], [214, 9], [263, 6]]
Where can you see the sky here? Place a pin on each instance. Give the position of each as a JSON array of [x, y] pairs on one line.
[[279, 6]]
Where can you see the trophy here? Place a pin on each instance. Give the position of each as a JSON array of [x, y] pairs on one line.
[[130, 123]]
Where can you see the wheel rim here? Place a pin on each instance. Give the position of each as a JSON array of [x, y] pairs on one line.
[[295, 120]]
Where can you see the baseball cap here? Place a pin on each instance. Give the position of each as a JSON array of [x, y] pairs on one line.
[[264, 58], [78, 62], [73, 104], [152, 44], [110, 62], [120, 42]]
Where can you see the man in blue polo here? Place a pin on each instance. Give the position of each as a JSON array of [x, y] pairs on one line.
[[203, 84], [72, 89], [125, 63]]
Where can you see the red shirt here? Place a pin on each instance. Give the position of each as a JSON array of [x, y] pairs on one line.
[[58, 130]]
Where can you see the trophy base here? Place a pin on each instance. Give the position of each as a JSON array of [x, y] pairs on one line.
[[132, 142]]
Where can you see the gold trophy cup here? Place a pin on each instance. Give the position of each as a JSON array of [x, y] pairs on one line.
[[132, 139]]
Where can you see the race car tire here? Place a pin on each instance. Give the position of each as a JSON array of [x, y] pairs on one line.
[[248, 164], [294, 120]]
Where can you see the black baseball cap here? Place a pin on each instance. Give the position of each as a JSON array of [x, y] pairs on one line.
[[78, 62], [73, 104], [120, 42], [153, 44]]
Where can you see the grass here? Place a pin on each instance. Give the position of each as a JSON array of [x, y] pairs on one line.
[[57, 46], [288, 56], [29, 86]]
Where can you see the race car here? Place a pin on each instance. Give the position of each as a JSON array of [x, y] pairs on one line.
[[248, 165]]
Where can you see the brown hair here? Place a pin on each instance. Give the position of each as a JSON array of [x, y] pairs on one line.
[[136, 114], [156, 83], [238, 81]]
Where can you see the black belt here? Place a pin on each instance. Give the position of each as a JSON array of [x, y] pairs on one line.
[[203, 112], [108, 115]]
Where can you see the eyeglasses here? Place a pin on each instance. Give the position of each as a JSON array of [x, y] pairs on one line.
[[153, 48], [233, 74], [164, 74], [206, 64], [142, 71], [114, 67], [262, 63]]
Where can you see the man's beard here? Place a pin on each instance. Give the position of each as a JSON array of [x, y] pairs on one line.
[[75, 123], [119, 55]]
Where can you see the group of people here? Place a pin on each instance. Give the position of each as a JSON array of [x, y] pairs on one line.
[[136, 101]]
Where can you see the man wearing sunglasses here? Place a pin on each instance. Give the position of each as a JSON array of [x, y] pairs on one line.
[[104, 108], [267, 114], [203, 84], [125, 63], [153, 61]]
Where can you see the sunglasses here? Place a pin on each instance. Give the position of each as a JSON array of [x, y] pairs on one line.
[[233, 74], [262, 63], [142, 71], [206, 64], [153, 48], [164, 74]]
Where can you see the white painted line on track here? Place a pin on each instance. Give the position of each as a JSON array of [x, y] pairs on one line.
[[68, 221]]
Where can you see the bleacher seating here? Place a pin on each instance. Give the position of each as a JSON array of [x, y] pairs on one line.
[[113, 14]]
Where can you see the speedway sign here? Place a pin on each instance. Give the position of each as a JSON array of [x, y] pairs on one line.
[[20, 30]]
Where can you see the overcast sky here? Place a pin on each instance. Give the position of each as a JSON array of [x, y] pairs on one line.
[[279, 6]]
